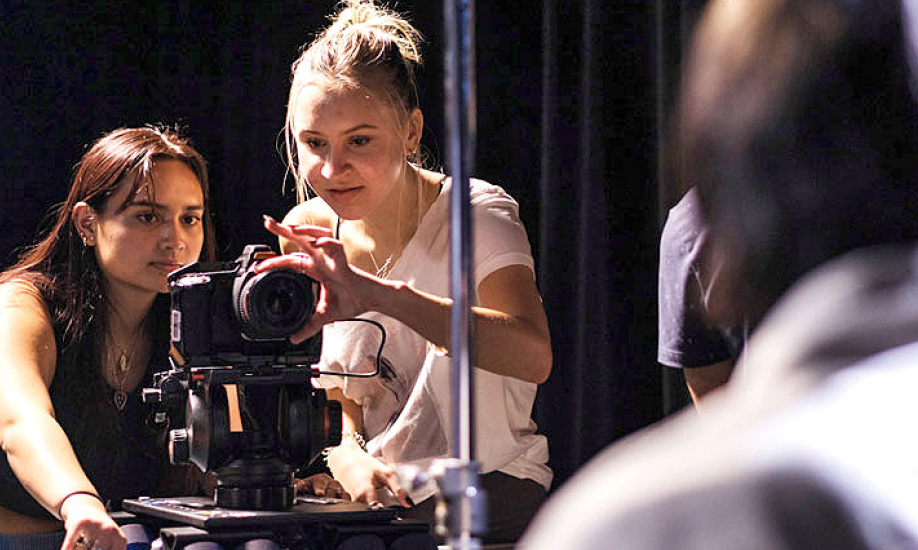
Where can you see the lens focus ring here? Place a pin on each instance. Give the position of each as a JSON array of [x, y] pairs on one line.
[[275, 304]]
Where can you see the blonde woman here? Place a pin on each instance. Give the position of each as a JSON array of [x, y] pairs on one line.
[[374, 233]]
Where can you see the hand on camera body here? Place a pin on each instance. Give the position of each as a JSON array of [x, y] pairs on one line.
[[345, 289]]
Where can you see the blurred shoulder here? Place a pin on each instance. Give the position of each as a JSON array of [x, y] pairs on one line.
[[314, 211]]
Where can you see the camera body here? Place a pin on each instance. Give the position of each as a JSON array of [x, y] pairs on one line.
[[224, 313]]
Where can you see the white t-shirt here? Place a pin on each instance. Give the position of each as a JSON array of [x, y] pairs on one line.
[[406, 409]]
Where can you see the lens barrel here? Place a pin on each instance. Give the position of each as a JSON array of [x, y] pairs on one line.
[[274, 304]]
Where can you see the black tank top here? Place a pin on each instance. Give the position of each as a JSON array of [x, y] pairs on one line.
[[121, 459]]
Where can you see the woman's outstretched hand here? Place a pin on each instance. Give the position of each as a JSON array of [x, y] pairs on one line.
[[88, 526], [322, 258]]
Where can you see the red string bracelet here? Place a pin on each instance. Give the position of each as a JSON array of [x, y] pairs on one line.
[[88, 493]]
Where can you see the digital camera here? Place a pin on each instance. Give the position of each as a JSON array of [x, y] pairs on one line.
[[224, 313], [251, 414]]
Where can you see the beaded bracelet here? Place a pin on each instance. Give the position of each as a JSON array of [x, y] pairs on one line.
[[356, 436]]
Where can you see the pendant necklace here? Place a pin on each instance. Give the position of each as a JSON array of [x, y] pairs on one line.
[[382, 272], [119, 374], [119, 369]]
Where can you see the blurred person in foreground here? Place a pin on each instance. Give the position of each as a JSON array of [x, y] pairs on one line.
[[799, 128]]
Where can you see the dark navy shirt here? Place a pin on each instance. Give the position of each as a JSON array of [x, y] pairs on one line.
[[686, 338]]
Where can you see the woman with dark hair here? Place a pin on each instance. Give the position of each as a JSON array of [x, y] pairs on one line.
[[83, 327]]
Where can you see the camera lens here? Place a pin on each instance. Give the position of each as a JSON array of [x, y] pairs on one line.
[[275, 304]]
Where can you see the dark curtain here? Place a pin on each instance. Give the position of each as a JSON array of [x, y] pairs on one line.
[[573, 101], [610, 80], [599, 225]]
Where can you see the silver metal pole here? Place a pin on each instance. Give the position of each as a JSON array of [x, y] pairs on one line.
[[459, 478], [460, 92]]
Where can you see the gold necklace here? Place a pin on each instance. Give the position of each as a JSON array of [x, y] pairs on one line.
[[119, 367], [119, 370], [382, 271]]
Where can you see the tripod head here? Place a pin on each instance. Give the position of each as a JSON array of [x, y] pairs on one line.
[[252, 429]]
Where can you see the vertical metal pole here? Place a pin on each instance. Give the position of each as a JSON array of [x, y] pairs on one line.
[[460, 118], [459, 482]]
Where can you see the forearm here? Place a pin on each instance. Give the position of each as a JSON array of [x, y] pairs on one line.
[[494, 332], [364, 477], [510, 331], [351, 422], [41, 457]]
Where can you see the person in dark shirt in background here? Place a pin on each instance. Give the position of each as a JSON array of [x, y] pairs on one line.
[[688, 339]]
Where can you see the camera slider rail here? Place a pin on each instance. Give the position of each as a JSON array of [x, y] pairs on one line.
[[313, 520]]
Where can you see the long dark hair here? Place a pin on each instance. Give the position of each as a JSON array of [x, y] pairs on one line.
[[67, 277], [60, 267], [65, 272]]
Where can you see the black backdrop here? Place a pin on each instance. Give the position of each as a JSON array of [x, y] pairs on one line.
[[573, 102]]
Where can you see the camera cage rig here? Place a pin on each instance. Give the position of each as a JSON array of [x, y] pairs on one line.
[[251, 414]]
